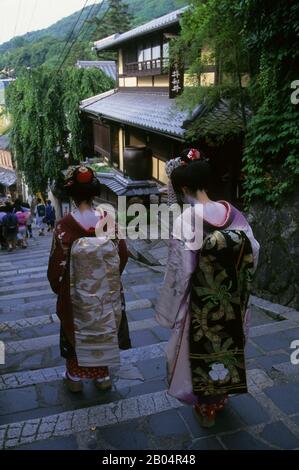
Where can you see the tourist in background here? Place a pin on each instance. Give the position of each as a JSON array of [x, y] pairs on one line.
[[50, 216], [22, 214], [2, 215], [40, 212], [10, 227]]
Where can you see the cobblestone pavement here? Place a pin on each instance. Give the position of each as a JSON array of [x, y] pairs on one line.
[[37, 412]]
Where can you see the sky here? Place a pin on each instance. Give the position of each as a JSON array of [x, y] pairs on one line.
[[17, 17]]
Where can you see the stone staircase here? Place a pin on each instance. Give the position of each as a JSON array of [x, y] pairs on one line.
[[36, 410]]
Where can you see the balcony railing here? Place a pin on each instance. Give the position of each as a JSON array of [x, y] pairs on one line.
[[147, 67]]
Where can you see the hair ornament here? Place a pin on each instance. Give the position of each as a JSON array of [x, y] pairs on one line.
[[193, 154], [84, 175]]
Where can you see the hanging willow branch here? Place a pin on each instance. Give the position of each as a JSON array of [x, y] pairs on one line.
[[46, 121]]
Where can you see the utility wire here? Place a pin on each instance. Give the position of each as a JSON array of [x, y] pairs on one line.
[[77, 37], [32, 15], [96, 14], [72, 30], [17, 18]]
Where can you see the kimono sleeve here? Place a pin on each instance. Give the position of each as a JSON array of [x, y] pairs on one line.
[[57, 262], [176, 286], [123, 254]]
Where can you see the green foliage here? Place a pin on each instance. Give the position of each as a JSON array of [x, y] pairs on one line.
[[146, 11], [271, 162], [44, 107], [117, 19], [78, 85], [45, 46], [211, 35], [259, 39]]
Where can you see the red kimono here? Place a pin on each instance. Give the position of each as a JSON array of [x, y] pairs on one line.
[[66, 232]]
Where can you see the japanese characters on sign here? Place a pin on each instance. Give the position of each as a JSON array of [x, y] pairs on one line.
[[176, 80]]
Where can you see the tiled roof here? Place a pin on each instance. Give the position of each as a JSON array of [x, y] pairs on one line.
[[122, 186], [152, 111], [220, 121], [7, 177], [107, 66], [154, 25]]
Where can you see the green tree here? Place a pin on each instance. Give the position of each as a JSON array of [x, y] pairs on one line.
[[44, 107], [116, 19], [211, 34], [249, 37], [271, 155]]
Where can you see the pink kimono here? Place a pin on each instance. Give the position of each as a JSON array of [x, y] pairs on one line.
[[173, 306]]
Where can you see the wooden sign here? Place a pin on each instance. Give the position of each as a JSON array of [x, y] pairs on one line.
[[176, 80]]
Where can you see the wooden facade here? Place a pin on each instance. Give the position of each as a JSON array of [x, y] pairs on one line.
[[143, 69]]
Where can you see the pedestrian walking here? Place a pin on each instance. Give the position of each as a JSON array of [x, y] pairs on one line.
[[50, 216], [22, 217], [40, 212], [23, 213], [207, 288], [84, 271], [25, 207], [29, 222], [2, 236], [10, 227]]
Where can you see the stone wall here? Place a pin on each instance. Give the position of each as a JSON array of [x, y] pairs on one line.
[[277, 231]]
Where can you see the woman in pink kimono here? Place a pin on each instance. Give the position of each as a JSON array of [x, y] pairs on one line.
[[205, 296]]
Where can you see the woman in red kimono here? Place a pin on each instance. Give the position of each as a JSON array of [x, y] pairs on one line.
[[82, 186]]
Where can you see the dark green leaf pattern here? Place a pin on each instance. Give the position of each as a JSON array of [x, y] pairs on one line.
[[220, 290]]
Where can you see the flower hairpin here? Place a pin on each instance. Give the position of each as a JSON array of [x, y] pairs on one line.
[[84, 175], [69, 173], [193, 154]]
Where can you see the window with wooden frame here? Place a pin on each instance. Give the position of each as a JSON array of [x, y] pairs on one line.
[[101, 139]]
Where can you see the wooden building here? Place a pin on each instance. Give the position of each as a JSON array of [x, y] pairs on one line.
[[142, 110], [7, 174]]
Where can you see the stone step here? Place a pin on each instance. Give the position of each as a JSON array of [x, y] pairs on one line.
[[42, 320], [23, 306], [98, 417], [64, 424], [23, 279], [41, 342], [21, 255], [40, 332], [15, 326], [49, 398], [276, 311], [28, 280], [31, 377], [30, 263], [14, 272], [27, 285], [22, 296], [269, 328]]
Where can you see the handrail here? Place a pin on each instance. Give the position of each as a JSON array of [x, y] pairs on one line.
[[152, 64]]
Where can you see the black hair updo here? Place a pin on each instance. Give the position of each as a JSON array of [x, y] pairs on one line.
[[82, 184], [196, 176]]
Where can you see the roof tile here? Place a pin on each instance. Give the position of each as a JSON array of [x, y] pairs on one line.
[[153, 111]]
